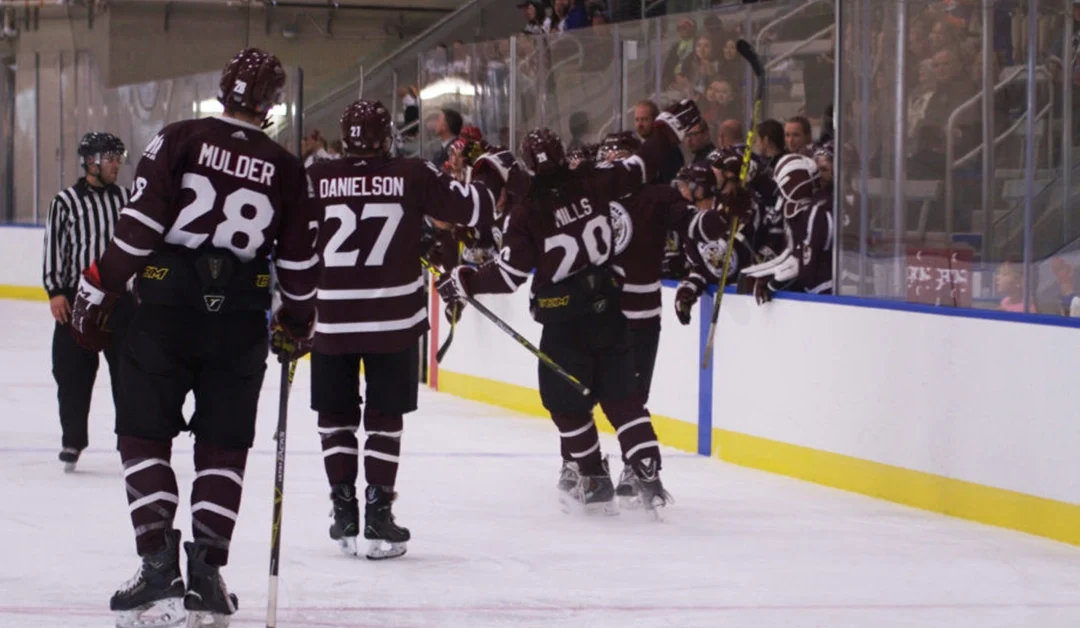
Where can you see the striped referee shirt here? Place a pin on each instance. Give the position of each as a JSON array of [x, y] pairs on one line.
[[80, 225]]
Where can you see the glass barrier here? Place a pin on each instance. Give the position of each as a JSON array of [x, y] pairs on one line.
[[70, 99], [958, 173]]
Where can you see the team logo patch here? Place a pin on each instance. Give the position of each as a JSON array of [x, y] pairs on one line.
[[622, 227], [712, 253]]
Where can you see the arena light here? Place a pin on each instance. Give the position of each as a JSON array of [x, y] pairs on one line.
[[211, 107], [447, 87]]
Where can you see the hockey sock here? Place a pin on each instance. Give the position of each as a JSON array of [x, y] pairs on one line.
[[151, 490], [633, 425], [581, 441], [339, 446], [215, 498], [382, 450]]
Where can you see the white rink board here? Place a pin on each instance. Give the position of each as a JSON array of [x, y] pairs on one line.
[[21, 250]]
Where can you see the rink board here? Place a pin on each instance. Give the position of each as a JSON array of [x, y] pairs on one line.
[[965, 416]]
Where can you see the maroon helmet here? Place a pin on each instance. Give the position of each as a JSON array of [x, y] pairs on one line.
[[252, 82], [797, 179], [619, 142], [698, 176], [542, 151], [366, 126]]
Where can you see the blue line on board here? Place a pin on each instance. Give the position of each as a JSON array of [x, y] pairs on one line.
[[1049, 320], [705, 378]]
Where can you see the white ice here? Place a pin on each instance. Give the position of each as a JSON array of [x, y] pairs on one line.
[[491, 548]]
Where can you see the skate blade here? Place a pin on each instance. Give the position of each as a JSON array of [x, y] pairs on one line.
[[206, 619], [166, 613], [347, 545], [574, 506], [630, 502], [379, 549]]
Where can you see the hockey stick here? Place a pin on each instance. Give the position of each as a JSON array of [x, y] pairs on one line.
[[453, 320], [287, 372], [747, 52], [521, 340]]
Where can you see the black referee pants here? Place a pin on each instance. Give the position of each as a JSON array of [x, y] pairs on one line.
[[75, 370]]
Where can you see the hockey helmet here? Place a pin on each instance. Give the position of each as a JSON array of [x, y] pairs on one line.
[[95, 144], [542, 151], [252, 82], [366, 126], [619, 145], [697, 176], [797, 179]]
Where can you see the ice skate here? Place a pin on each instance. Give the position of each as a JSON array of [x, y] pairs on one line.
[[652, 495], [628, 492], [154, 597], [568, 476], [346, 513], [592, 495], [208, 602], [70, 457], [386, 539]]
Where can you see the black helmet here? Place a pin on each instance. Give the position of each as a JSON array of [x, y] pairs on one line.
[[95, 143]]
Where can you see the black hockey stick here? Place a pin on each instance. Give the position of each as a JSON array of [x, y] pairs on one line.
[[287, 372], [747, 52], [453, 321], [521, 340]]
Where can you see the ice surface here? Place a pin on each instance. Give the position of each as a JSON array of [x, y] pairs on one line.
[[491, 548]]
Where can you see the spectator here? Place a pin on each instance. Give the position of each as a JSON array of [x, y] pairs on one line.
[[410, 104], [461, 61], [1009, 283], [797, 134], [447, 128], [536, 22], [1066, 279], [579, 126], [597, 16], [569, 15], [731, 133], [720, 103], [698, 143], [680, 51], [437, 62], [769, 141], [951, 88], [730, 66], [696, 71], [336, 149], [919, 97], [927, 163], [314, 148], [645, 113]]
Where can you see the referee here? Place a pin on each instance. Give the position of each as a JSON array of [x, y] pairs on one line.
[[80, 224]]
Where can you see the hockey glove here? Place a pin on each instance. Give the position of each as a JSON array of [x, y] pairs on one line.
[[685, 298], [90, 314], [453, 286], [453, 311], [679, 117], [289, 340]]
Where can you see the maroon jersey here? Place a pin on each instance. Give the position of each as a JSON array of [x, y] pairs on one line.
[[811, 235], [218, 183], [370, 214], [641, 225], [705, 258], [559, 231]]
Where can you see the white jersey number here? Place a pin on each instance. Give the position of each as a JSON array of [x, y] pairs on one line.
[[335, 256], [596, 235], [235, 222]]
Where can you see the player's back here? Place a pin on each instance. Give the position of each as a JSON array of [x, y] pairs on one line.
[[370, 213]]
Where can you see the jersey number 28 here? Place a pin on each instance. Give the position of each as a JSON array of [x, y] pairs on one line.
[[235, 222]]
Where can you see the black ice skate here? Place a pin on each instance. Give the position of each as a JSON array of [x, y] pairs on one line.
[[346, 513], [208, 602], [70, 457], [568, 476], [154, 597], [386, 538], [592, 495], [652, 495]]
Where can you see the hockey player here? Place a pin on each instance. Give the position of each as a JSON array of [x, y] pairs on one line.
[[562, 229], [640, 223], [212, 198], [705, 257], [805, 264], [372, 310]]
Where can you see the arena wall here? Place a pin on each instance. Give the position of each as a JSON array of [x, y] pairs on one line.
[[970, 414]]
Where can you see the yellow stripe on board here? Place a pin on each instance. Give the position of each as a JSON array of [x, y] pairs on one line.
[[26, 293], [966, 500], [957, 498], [524, 400]]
